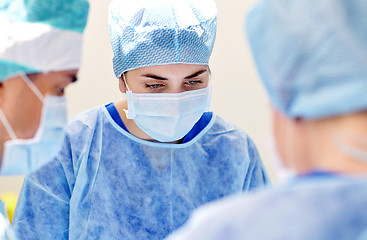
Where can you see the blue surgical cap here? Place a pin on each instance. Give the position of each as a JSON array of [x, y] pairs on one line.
[[149, 33], [311, 55], [41, 35]]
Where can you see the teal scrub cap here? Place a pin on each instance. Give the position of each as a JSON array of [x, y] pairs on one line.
[[41, 35], [149, 33], [65, 14], [311, 55]]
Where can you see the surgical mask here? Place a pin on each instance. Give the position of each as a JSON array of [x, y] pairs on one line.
[[22, 156], [283, 174], [167, 117]]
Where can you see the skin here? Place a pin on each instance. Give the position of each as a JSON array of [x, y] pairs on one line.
[[173, 78], [22, 107], [308, 145]]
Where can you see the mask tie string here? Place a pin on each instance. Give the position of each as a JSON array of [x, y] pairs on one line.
[[7, 125]]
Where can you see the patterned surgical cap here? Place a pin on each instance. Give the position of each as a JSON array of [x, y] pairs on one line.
[[149, 33]]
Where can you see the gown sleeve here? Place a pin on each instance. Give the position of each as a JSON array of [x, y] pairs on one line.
[[256, 176]]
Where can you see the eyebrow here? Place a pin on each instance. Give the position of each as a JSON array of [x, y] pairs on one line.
[[154, 76], [149, 75], [196, 74]]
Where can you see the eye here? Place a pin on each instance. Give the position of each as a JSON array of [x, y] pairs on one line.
[[193, 83], [154, 86]]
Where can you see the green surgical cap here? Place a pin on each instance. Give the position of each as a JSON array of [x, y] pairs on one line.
[[65, 14], [41, 35]]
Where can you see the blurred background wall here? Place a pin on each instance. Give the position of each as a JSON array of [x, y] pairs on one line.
[[238, 94]]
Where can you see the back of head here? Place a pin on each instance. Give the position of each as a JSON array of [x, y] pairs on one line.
[[41, 35], [312, 59], [311, 55], [149, 33]]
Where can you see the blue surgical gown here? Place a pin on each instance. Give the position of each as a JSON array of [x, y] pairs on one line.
[[107, 184], [317, 207]]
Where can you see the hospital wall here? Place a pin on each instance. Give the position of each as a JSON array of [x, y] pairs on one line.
[[238, 94]]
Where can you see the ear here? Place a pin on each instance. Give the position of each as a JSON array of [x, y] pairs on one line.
[[278, 127], [122, 86], [288, 133]]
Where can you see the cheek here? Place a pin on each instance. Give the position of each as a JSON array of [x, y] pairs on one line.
[[29, 118], [34, 116], [205, 84]]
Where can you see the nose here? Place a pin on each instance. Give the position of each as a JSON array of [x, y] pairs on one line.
[[176, 86]]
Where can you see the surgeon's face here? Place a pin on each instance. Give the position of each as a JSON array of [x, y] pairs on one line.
[[22, 107], [173, 78]]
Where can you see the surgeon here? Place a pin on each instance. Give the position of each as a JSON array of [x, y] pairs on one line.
[[135, 169], [312, 59], [40, 54]]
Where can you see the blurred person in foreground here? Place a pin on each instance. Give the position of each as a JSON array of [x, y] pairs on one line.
[[312, 59]]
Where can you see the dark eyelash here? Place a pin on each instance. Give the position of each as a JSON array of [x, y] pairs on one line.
[[153, 85], [195, 81]]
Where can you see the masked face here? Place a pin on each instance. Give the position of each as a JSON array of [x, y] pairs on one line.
[[21, 156], [171, 102]]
